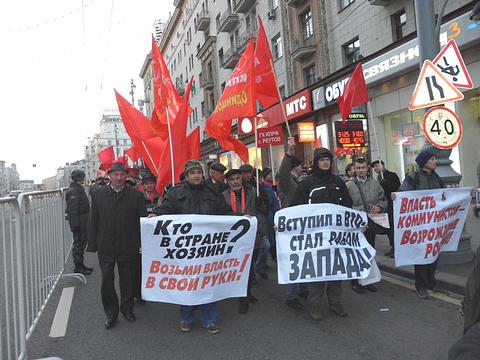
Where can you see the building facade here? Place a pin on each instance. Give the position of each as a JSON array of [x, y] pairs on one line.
[[9, 179], [317, 44], [111, 133]]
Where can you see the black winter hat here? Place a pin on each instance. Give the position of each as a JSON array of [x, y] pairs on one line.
[[232, 172], [423, 157], [77, 175], [148, 177], [218, 167], [295, 162], [118, 166], [246, 168], [320, 153]]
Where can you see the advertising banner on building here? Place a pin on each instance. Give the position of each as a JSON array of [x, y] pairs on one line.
[[427, 222], [196, 259], [321, 242]]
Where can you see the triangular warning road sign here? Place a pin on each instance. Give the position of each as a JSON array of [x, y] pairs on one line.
[[432, 88], [450, 63]]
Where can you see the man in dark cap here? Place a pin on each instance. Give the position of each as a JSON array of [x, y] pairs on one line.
[[217, 177], [247, 170], [425, 178], [243, 200], [77, 214], [194, 197], [114, 232], [289, 176], [322, 186], [390, 183]]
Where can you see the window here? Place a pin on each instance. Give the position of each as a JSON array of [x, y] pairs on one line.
[[306, 24], [277, 47], [203, 108], [344, 3], [351, 51], [281, 88], [399, 20], [220, 56], [274, 4], [309, 74], [223, 86]]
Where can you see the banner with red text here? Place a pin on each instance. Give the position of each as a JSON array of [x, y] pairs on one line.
[[427, 222], [196, 259]]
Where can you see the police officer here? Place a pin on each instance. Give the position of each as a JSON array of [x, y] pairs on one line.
[[77, 214]]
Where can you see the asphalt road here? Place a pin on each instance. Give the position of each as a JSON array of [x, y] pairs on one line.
[[390, 324]]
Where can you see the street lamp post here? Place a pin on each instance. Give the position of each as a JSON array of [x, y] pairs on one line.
[[429, 46]]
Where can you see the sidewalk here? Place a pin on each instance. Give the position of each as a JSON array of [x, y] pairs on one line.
[[449, 277]]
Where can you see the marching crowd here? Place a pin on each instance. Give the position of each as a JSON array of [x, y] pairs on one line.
[[109, 223]]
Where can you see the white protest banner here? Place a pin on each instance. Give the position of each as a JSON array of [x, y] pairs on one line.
[[321, 242], [196, 259], [427, 222]]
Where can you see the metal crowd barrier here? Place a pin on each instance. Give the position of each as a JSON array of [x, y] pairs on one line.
[[36, 244]]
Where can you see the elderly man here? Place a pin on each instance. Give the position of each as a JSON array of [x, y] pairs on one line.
[[194, 197], [243, 201], [77, 214], [114, 232], [217, 177]]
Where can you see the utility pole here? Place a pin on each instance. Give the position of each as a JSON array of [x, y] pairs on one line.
[[429, 46], [132, 91]]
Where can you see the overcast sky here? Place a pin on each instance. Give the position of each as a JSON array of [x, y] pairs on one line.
[[53, 88]]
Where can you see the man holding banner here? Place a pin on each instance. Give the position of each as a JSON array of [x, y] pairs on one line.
[[194, 197], [423, 179], [323, 187]]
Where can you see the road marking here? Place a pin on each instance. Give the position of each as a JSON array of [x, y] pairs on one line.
[[60, 321], [435, 295]]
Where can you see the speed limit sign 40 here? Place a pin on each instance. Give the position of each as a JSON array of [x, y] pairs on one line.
[[442, 127]]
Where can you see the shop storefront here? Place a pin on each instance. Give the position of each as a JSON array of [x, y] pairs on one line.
[[391, 79]]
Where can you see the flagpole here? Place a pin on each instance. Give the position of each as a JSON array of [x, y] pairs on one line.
[[370, 113], [149, 156], [281, 100], [272, 165], [256, 155], [171, 146]]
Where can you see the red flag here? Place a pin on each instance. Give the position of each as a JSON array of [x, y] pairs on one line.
[[166, 97], [106, 157], [133, 153], [179, 146], [354, 94], [237, 101], [266, 89], [193, 144], [140, 131]]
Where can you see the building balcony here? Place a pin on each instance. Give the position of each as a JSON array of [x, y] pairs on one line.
[[242, 6], [203, 21], [227, 22], [207, 46], [245, 37], [207, 83], [295, 3], [231, 57], [302, 48]]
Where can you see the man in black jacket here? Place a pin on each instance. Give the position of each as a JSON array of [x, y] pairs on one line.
[[217, 177], [77, 214], [323, 187], [114, 232], [194, 197], [390, 183]]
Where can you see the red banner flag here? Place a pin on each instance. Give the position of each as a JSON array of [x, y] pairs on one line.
[[237, 101], [193, 144], [265, 83], [179, 146], [354, 94], [133, 153], [140, 131], [106, 157], [166, 97]]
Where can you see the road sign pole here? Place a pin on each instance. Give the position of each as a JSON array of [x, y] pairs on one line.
[[429, 46]]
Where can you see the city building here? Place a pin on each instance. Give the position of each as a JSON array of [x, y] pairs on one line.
[[111, 132], [9, 179], [26, 185]]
